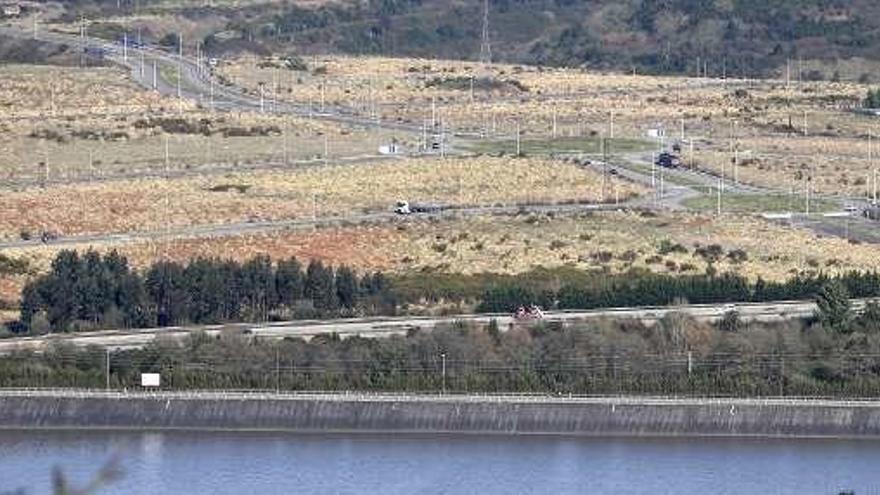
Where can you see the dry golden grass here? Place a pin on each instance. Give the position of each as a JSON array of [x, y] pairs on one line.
[[139, 205], [610, 241], [620, 241], [769, 115], [57, 92], [118, 146], [84, 122]]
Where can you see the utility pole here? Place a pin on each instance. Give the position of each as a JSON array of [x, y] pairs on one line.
[[693, 159], [284, 139], [277, 372], [179, 64], [82, 41], [653, 170], [442, 139], [141, 52], [518, 143], [734, 144], [275, 92], [443, 371], [872, 169], [107, 368], [604, 169], [485, 45], [315, 209], [808, 186], [788, 74], [611, 124]]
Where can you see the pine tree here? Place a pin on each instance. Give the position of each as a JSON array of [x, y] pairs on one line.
[[166, 292], [289, 282], [319, 286], [346, 287], [834, 310]]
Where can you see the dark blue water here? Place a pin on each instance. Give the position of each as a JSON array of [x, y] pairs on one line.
[[264, 463]]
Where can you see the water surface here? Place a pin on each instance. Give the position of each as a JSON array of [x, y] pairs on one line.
[[282, 463]]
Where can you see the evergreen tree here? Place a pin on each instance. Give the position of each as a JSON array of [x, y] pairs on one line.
[[346, 287], [289, 282], [59, 292], [319, 286], [258, 286], [834, 310], [166, 291]]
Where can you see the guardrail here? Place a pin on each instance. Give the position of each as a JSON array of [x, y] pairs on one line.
[[357, 396]]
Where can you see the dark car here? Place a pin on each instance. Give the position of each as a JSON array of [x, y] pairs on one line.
[[667, 160]]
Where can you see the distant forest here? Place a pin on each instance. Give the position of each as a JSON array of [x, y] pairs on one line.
[[736, 37]]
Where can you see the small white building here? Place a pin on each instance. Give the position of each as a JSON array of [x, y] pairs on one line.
[[12, 9]]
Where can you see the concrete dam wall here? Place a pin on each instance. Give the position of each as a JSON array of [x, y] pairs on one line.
[[459, 414]]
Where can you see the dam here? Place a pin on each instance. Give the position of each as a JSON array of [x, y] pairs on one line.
[[468, 414]]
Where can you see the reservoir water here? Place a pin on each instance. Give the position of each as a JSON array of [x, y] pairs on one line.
[[282, 463]]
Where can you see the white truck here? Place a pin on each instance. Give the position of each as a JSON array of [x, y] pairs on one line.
[[407, 208]]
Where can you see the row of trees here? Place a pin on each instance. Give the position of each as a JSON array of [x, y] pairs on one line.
[[677, 355], [91, 291], [647, 289]]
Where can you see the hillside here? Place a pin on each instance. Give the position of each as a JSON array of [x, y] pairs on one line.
[[736, 37]]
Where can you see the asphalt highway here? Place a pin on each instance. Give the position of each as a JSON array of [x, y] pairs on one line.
[[383, 327]]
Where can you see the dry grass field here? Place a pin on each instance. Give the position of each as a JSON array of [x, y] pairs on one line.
[[405, 90], [70, 123], [781, 129], [63, 92], [338, 190], [609, 241]]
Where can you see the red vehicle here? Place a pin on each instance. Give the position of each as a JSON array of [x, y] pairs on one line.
[[530, 313]]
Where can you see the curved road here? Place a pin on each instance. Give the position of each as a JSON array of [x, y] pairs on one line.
[[198, 84]]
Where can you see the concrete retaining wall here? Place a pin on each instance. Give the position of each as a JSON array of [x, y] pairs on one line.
[[605, 416]]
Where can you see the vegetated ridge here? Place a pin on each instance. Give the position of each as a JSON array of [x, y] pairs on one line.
[[736, 37]]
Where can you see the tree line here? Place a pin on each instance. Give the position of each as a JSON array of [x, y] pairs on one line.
[[89, 291], [676, 355], [93, 291], [646, 289]]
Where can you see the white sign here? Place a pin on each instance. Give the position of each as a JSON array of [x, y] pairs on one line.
[[390, 149], [150, 379]]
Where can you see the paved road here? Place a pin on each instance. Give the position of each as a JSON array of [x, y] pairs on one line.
[[197, 83], [300, 224], [382, 327], [238, 395]]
